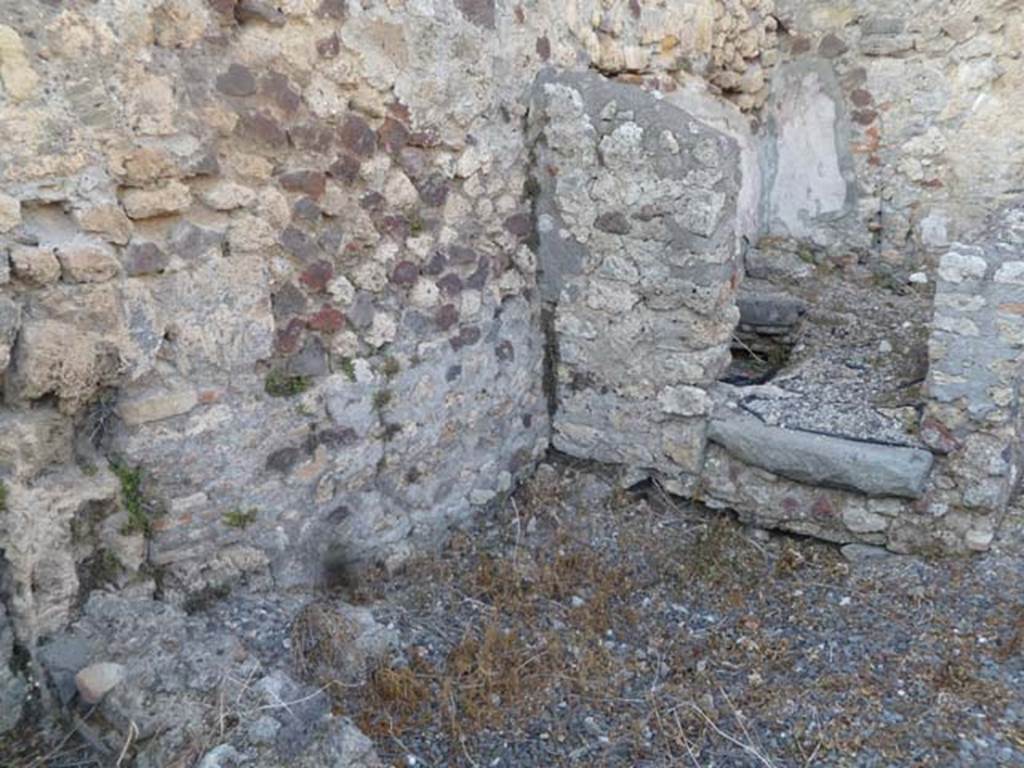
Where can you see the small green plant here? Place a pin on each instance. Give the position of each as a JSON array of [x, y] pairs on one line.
[[241, 519], [132, 499], [347, 367], [381, 399], [806, 255], [102, 568], [281, 384], [391, 368], [416, 224], [3, 496]]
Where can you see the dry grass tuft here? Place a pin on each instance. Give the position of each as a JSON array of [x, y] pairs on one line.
[[322, 644]]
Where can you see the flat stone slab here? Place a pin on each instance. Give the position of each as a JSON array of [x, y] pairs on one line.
[[773, 310], [870, 468]]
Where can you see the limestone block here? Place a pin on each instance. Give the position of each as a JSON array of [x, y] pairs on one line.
[[36, 266], [174, 197], [10, 322], [156, 405], [958, 265], [88, 263], [638, 232], [108, 221], [227, 195], [97, 680], [55, 358], [33, 441], [36, 536], [10, 213], [820, 460], [19, 79], [180, 23]]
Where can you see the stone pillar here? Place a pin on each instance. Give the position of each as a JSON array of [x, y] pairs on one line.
[[636, 214], [976, 350]]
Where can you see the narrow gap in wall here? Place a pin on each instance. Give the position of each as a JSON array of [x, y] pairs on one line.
[[550, 383]]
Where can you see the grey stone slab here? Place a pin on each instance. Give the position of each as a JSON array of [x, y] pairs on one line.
[[771, 310], [872, 469]]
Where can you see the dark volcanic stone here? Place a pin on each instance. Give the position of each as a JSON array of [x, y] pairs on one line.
[[288, 302], [405, 273], [298, 244], [450, 285], [312, 183], [468, 336], [519, 224], [446, 317], [277, 88], [345, 168], [479, 12], [260, 127], [614, 223], [358, 137], [237, 81], [144, 259]]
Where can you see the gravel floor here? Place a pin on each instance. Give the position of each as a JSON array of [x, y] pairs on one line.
[[588, 626], [582, 625]]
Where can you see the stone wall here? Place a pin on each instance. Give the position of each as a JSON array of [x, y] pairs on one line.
[[282, 283], [268, 260], [267, 307], [915, 98]]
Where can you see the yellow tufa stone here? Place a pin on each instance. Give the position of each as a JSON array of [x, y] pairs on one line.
[[20, 80]]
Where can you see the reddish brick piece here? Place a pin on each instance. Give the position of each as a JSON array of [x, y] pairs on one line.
[[312, 183], [316, 276], [327, 320], [358, 137], [393, 136], [288, 338]]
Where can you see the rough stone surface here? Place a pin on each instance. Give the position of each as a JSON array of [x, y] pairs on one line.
[[926, 158], [13, 688], [821, 460], [641, 300], [973, 416], [305, 268]]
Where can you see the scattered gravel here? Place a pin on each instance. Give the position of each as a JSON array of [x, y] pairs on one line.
[[855, 370], [582, 624], [585, 625]]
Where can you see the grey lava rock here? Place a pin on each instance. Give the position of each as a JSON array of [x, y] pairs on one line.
[[870, 468]]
